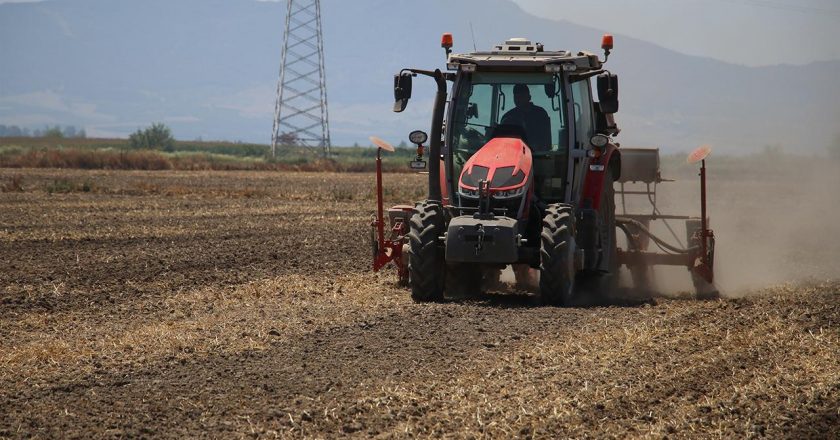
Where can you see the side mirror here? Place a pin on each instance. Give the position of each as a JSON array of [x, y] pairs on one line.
[[608, 92], [604, 123], [549, 90], [402, 91], [600, 118]]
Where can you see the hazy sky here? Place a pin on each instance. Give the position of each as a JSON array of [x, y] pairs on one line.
[[752, 32], [231, 102]]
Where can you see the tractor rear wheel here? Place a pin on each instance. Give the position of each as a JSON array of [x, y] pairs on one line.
[[426, 264], [600, 283], [557, 255]]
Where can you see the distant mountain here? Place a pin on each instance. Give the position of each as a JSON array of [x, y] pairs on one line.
[[209, 68]]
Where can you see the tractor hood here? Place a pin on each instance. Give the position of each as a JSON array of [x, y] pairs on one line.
[[503, 162]]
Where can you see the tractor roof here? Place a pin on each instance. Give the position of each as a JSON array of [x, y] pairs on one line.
[[521, 54]]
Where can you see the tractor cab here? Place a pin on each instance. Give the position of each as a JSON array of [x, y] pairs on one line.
[[521, 91]]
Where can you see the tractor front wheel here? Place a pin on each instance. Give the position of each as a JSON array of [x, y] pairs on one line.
[[557, 255], [426, 264]]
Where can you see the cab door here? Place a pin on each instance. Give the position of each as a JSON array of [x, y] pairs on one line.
[[582, 118], [583, 113]]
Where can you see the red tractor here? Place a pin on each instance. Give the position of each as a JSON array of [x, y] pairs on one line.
[[522, 171]]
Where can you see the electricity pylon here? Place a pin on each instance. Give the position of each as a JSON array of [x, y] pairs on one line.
[[300, 112]]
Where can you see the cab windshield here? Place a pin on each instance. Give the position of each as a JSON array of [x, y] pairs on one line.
[[524, 105]]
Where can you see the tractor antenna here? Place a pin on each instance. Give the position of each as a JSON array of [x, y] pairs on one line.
[[475, 49]]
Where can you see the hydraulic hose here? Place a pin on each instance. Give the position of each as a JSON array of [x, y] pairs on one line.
[[661, 243]]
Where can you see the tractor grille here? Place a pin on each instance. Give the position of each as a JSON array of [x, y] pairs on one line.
[[504, 177], [477, 174]]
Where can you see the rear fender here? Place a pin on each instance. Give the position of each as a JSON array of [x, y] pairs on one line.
[[593, 184]]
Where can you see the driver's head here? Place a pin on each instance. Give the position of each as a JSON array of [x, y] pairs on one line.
[[521, 95]]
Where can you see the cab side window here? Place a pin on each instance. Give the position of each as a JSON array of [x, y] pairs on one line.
[[473, 120], [584, 122]]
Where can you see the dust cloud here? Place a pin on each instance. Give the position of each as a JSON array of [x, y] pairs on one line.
[[776, 220]]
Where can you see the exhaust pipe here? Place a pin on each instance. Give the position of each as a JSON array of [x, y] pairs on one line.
[[435, 136]]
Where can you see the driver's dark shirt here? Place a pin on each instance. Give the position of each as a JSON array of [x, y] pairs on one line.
[[536, 123]]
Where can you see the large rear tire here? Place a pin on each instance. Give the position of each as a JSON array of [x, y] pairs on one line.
[[601, 283], [426, 263], [557, 255]]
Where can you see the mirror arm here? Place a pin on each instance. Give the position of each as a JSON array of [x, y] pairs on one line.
[[415, 72], [448, 76], [575, 78]]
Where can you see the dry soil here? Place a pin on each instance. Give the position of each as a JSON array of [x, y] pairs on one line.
[[232, 304]]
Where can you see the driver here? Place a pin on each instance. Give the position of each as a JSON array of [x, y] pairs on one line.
[[532, 118]]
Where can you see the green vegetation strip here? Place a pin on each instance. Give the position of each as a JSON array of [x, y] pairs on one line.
[[28, 152]]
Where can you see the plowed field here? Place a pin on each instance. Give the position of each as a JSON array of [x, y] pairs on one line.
[[228, 304]]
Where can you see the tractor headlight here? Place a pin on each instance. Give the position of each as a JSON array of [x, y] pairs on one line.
[[418, 137], [509, 194], [599, 140], [470, 193]]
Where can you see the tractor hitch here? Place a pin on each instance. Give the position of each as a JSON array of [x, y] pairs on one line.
[[482, 239]]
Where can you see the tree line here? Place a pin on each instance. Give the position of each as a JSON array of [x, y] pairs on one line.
[[57, 131]]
